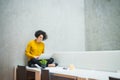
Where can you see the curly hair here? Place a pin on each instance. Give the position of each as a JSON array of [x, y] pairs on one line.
[[40, 32]]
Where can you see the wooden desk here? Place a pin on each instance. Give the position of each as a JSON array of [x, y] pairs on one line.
[[39, 74], [77, 74], [54, 76], [36, 71], [26, 73], [84, 74]]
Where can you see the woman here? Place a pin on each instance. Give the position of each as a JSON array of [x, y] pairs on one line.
[[35, 48]]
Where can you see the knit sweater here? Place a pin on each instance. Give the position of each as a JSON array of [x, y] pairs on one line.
[[34, 49]]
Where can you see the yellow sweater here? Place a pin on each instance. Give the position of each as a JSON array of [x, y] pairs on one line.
[[34, 49]]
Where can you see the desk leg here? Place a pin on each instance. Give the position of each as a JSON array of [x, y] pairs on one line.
[[37, 75]]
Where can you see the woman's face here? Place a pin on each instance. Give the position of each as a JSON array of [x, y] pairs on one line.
[[40, 38]]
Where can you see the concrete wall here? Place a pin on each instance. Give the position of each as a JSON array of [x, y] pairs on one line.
[[102, 25], [63, 20]]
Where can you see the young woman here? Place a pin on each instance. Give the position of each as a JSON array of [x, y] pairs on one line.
[[35, 48]]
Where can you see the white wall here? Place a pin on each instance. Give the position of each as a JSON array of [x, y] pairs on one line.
[[95, 60], [63, 20]]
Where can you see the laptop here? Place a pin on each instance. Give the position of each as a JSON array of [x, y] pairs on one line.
[[45, 56]]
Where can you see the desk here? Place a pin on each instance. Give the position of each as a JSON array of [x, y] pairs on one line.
[[84, 73], [37, 72], [79, 74]]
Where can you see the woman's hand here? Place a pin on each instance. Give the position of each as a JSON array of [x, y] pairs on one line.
[[36, 57]]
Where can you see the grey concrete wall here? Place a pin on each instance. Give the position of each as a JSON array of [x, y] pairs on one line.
[[63, 20], [102, 24]]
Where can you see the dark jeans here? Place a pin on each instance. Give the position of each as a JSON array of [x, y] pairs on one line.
[[35, 61]]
